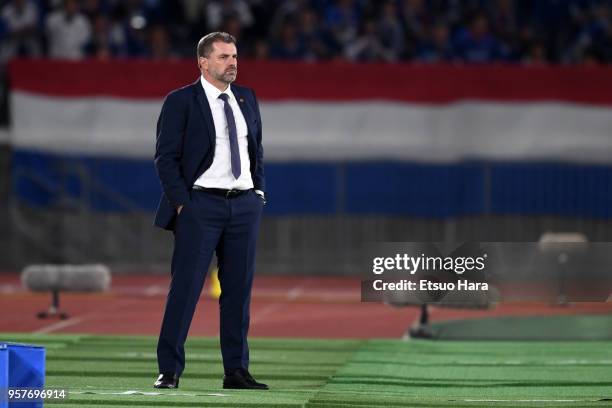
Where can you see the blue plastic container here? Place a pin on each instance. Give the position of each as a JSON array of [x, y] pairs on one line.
[[4, 372], [26, 369]]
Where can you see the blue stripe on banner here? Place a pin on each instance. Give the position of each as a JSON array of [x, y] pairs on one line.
[[552, 188], [387, 188], [105, 184], [419, 190], [301, 188]]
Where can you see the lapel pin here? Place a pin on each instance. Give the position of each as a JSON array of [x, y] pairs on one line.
[[241, 99]]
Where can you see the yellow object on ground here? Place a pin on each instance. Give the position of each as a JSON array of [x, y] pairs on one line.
[[214, 288]]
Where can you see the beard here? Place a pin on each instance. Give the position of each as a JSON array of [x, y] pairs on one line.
[[227, 76]]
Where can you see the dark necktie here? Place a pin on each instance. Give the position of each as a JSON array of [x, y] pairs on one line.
[[233, 135]]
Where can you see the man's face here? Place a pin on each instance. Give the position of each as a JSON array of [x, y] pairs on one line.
[[222, 63]]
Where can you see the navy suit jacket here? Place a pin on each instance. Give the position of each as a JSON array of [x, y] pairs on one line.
[[186, 145]]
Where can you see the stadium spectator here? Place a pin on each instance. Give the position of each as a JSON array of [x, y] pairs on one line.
[[261, 50], [318, 43], [93, 8], [343, 18], [474, 31], [20, 20], [594, 42], [159, 44], [368, 47], [288, 45], [290, 9], [193, 11], [476, 44], [505, 23], [3, 31], [536, 54], [218, 10], [415, 18], [391, 30], [100, 45], [435, 46], [554, 21], [68, 32], [233, 26], [132, 20]]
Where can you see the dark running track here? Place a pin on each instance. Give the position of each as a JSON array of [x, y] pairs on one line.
[[311, 307]]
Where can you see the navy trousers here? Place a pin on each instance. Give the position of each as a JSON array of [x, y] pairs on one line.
[[228, 226]]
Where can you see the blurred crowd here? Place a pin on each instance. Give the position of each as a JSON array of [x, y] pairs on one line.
[[425, 31]]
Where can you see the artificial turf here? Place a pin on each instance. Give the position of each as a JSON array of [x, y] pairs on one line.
[[118, 371], [546, 328]]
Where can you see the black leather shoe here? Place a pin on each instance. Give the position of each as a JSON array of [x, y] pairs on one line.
[[240, 379], [167, 380]]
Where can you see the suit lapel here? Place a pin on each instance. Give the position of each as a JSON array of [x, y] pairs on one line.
[[247, 111], [205, 109]]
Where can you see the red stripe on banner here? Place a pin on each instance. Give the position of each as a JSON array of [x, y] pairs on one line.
[[331, 81]]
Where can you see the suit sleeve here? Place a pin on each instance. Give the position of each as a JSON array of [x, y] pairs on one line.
[[168, 149], [260, 181]]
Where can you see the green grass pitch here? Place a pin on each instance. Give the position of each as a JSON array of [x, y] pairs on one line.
[[118, 371]]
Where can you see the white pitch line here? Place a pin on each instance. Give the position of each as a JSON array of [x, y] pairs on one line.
[[530, 400], [294, 293], [9, 289], [265, 312], [59, 325], [291, 295], [150, 394], [155, 290]]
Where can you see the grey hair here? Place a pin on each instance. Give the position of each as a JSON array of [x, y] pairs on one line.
[[205, 45]]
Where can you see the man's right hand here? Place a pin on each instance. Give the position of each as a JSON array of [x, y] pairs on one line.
[[178, 209]]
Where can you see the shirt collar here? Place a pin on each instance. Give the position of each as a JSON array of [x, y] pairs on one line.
[[212, 92]]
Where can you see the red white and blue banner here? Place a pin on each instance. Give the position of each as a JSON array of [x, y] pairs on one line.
[[360, 139]]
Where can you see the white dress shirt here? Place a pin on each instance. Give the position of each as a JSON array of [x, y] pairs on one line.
[[219, 174]]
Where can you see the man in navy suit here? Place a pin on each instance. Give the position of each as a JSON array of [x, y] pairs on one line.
[[209, 159]]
